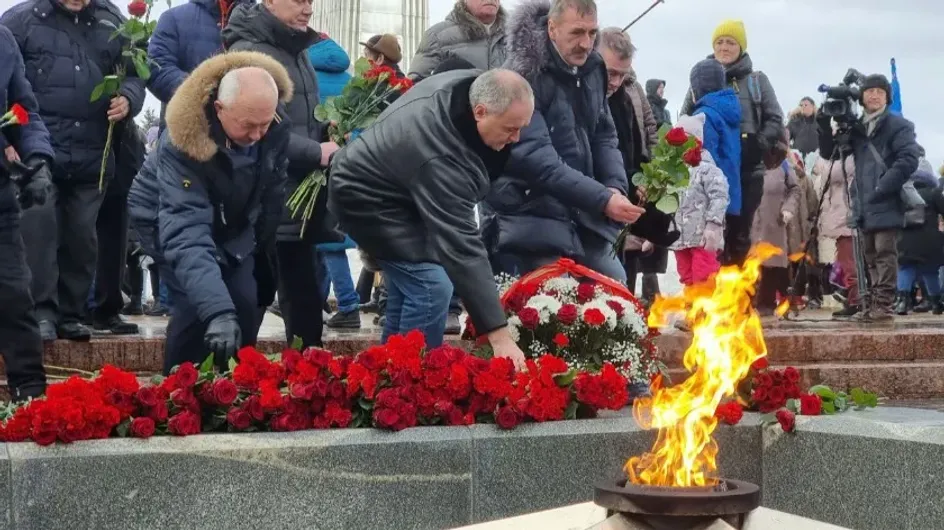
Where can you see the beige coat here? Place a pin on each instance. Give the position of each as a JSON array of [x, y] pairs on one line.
[[799, 229], [781, 193], [834, 217]]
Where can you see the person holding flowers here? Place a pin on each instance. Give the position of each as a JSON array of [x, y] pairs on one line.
[[23, 138], [71, 51]]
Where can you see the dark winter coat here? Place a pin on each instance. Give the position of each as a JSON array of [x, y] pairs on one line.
[[461, 36], [63, 74], [723, 139], [658, 103], [32, 139], [412, 200], [804, 134], [761, 128], [559, 172], [876, 190], [254, 28], [192, 206], [924, 245], [185, 36]]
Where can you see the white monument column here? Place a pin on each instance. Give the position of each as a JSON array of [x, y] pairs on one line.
[[350, 22]]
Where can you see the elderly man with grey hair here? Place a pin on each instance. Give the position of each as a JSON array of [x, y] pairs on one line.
[[405, 191], [208, 200]]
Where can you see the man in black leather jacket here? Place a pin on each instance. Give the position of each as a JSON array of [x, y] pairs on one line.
[[405, 191]]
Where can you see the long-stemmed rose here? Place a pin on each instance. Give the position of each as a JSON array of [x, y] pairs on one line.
[[365, 96], [135, 33]]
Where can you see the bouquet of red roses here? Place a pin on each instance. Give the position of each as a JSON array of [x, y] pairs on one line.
[[366, 95]]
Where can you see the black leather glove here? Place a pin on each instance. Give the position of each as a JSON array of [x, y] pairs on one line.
[[223, 337], [37, 189]]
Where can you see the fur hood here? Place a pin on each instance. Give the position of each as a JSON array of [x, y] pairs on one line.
[[473, 28], [527, 38], [187, 124]]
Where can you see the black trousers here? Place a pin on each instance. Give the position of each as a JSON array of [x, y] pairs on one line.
[[772, 281], [20, 343], [112, 232], [300, 295], [737, 229], [185, 330], [62, 247], [365, 285]]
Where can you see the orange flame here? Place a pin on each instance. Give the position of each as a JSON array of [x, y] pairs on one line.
[[727, 340]]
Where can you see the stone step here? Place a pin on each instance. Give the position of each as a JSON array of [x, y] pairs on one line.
[[893, 380]]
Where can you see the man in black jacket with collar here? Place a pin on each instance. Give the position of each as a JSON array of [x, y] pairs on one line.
[[209, 199], [886, 155], [405, 190]]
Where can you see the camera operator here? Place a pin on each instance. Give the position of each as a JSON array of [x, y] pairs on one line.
[[886, 155], [24, 180]]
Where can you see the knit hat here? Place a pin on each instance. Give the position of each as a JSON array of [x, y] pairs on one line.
[[707, 76], [385, 44], [693, 125], [734, 29], [877, 81]]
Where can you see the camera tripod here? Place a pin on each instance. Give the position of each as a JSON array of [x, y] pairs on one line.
[[841, 151]]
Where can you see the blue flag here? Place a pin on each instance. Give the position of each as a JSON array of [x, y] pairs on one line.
[[896, 90]]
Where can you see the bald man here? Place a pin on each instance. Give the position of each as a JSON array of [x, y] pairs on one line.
[[208, 200]]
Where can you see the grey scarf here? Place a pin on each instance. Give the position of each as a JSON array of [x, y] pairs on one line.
[[870, 119]]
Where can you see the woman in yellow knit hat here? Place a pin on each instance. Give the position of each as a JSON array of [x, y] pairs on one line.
[[761, 128]]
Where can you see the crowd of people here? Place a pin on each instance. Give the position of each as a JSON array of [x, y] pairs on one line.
[[516, 147]]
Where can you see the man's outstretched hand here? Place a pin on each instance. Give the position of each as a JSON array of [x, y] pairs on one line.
[[503, 346], [621, 210], [223, 338]]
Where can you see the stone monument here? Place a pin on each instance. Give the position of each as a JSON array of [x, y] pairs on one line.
[[350, 22]]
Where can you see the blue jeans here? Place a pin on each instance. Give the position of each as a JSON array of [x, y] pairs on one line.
[[338, 274], [417, 298], [909, 274]]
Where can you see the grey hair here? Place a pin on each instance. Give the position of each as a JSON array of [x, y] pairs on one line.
[[618, 42], [583, 7], [231, 84], [498, 89]]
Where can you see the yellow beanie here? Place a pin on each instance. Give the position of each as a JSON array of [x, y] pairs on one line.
[[734, 29]]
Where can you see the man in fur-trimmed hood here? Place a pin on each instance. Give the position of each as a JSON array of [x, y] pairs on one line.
[[564, 189], [207, 203], [474, 31]]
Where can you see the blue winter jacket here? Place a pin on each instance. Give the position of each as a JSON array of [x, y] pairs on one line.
[[63, 75], [185, 36], [32, 139], [331, 63], [722, 111], [554, 188]]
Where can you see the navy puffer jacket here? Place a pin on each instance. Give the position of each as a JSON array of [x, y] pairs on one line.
[[557, 178], [63, 76]]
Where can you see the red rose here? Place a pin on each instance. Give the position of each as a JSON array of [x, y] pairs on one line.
[[760, 364], [791, 374], [567, 314], [530, 318], [811, 405], [787, 420], [142, 427], [253, 406], [561, 340], [187, 375], [159, 412], [184, 424], [147, 396], [386, 418], [594, 317], [137, 8], [238, 419], [692, 157], [676, 137], [224, 392], [507, 418], [586, 292], [184, 399]]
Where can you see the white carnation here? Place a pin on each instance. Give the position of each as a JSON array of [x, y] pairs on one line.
[[564, 286], [545, 305]]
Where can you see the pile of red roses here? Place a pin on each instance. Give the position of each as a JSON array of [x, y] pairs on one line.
[[777, 393], [394, 386]]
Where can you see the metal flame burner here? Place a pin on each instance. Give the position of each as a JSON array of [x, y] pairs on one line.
[[664, 508]]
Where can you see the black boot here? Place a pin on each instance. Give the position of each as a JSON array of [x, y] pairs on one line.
[[847, 313], [133, 307], [74, 331], [926, 305], [903, 306], [938, 304]]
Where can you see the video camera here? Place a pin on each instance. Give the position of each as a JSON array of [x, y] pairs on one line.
[[842, 100]]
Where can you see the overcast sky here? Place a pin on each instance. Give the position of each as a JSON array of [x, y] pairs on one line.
[[799, 44]]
